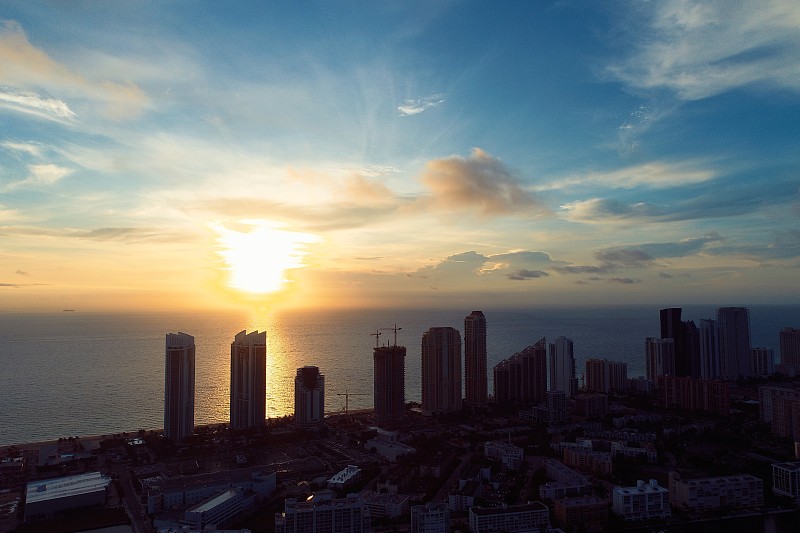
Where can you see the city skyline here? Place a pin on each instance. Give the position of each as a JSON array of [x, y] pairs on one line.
[[319, 156]]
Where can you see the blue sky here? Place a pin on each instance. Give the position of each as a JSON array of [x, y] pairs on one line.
[[426, 153]]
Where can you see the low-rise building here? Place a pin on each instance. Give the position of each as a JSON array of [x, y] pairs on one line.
[[430, 518], [344, 478], [324, 515], [786, 480], [598, 463], [216, 511], [510, 519], [591, 405], [713, 493], [52, 496], [581, 511], [642, 502], [509, 455], [567, 482]]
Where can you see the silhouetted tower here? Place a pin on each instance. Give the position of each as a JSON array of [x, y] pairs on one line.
[[249, 380], [309, 397], [522, 378], [389, 373], [735, 354], [475, 359], [179, 386], [441, 370]]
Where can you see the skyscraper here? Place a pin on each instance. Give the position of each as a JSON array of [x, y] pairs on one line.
[[763, 362], [606, 376], [660, 357], [562, 367], [389, 364], [709, 349], [309, 397], [179, 386], [790, 346], [441, 370], [684, 335], [523, 376], [475, 359], [249, 380], [733, 325]]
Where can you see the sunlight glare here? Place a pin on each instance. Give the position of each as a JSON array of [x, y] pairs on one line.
[[258, 257]]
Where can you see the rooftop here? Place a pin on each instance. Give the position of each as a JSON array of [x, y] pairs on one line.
[[51, 489]]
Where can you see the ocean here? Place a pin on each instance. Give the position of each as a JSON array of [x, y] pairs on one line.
[[76, 374]]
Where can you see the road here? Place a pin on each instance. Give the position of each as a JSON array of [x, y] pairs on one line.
[[136, 512]]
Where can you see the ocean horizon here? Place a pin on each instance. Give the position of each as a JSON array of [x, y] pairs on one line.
[[79, 373]]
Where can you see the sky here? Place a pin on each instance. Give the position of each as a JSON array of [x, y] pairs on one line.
[[210, 155]]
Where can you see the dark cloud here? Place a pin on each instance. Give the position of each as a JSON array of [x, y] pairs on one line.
[[583, 269], [527, 274], [479, 182], [624, 281], [21, 273], [664, 275], [623, 256]]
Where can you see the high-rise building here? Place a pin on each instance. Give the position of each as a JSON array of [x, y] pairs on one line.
[[389, 366], [562, 367], [441, 370], [763, 362], [606, 376], [179, 386], [733, 325], [684, 335], [309, 397], [475, 382], [523, 376], [660, 357], [249, 380], [709, 349], [790, 346]]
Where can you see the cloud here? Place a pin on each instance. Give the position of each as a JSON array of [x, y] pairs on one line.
[[34, 104], [418, 105], [26, 72], [623, 281], [653, 175], [697, 50], [21, 273], [28, 148], [623, 257], [46, 174], [479, 182], [584, 269], [609, 210], [527, 274]]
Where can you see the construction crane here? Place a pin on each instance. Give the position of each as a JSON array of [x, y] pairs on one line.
[[347, 395], [376, 335], [395, 329]]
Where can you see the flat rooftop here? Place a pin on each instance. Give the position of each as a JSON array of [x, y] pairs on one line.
[[210, 503], [63, 487]]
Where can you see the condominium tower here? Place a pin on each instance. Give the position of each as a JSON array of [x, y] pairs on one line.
[[441, 370], [389, 365], [475, 384], [733, 325], [179, 386], [790, 346], [522, 377], [249, 380], [660, 357], [562, 367], [309, 398]]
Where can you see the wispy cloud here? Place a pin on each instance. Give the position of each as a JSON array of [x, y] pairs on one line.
[[653, 175], [31, 149], [523, 274], [46, 174], [697, 50], [479, 182], [26, 71], [418, 105], [34, 104]]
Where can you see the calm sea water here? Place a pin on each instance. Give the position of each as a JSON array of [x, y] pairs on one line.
[[71, 374]]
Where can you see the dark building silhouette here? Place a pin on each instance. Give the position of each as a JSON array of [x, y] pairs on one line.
[[389, 366], [441, 370], [309, 397], [790, 346], [685, 337], [475, 381], [522, 378], [733, 328], [179, 386], [249, 380]]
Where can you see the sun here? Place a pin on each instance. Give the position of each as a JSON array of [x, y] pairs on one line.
[[258, 253]]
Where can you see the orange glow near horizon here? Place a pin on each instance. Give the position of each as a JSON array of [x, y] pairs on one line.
[[258, 256]]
